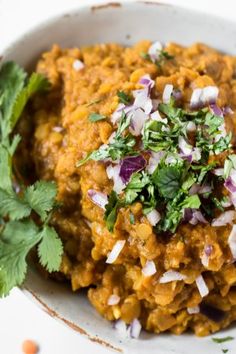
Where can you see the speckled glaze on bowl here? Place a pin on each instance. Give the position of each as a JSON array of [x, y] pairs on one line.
[[125, 23]]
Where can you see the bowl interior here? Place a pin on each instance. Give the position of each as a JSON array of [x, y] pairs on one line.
[[125, 23]]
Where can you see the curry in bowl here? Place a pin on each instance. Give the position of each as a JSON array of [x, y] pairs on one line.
[[134, 150]]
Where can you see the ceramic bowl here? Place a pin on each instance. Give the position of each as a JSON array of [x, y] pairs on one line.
[[124, 23]]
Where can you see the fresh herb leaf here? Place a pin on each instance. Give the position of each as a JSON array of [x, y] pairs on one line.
[[13, 206], [132, 218], [50, 241], [17, 239], [168, 180], [123, 97], [225, 350], [93, 102], [145, 56], [41, 197], [111, 210], [95, 117], [223, 339]]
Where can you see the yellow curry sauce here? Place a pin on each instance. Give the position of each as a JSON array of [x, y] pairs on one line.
[[63, 135]]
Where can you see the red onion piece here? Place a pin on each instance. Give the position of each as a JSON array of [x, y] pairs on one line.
[[114, 254], [121, 328], [149, 269], [147, 82], [131, 164], [216, 110], [203, 96], [193, 310], [135, 328], [154, 51], [197, 217], [202, 286], [227, 110], [232, 241], [177, 94], [142, 100], [225, 218], [98, 198], [138, 119], [154, 217], [191, 127], [171, 275], [154, 161], [229, 185], [113, 172], [78, 65], [218, 171], [113, 300], [167, 93]]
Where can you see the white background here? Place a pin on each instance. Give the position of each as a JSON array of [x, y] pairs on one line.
[[19, 318]]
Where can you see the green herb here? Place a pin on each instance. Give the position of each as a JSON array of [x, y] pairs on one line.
[[168, 180], [163, 56], [145, 56], [18, 232], [95, 117], [111, 210], [123, 97], [225, 350], [222, 340], [93, 102], [121, 146], [132, 218]]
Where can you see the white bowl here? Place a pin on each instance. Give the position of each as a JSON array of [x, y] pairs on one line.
[[125, 23]]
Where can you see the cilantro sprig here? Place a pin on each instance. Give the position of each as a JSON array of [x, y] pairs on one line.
[[19, 233]]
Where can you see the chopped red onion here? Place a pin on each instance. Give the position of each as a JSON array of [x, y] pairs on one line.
[[58, 129], [156, 116], [116, 115], [114, 254], [198, 189], [135, 328], [154, 161], [113, 300], [225, 218], [202, 286], [129, 165], [202, 96], [177, 94], [167, 93], [142, 100], [232, 241], [227, 110], [138, 119], [197, 217], [154, 217], [98, 198], [171, 275], [113, 172], [185, 148], [216, 110], [193, 310], [78, 65], [229, 185], [191, 127], [154, 51], [195, 100], [147, 81], [149, 269], [121, 328], [206, 255], [218, 171]]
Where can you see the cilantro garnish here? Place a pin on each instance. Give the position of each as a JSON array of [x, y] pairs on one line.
[[222, 340], [18, 232], [162, 57], [225, 350], [95, 117], [123, 97]]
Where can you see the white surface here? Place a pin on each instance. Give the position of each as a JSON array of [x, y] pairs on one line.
[[20, 319]]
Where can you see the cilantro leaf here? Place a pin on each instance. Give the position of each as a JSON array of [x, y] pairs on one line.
[[37, 83], [223, 339], [50, 241], [95, 117], [168, 180], [17, 239], [13, 206], [5, 169], [111, 210], [123, 97], [41, 197], [12, 79]]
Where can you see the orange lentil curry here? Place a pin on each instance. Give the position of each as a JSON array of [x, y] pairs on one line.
[[168, 275]]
